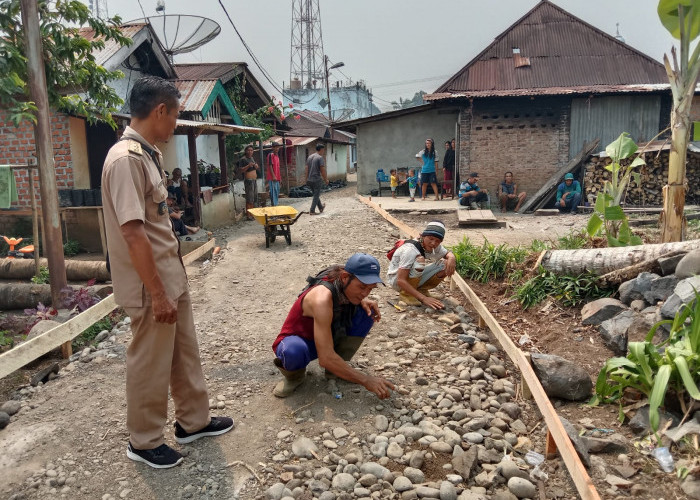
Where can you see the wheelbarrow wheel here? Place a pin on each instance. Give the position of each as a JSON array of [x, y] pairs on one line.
[[273, 234], [288, 235]]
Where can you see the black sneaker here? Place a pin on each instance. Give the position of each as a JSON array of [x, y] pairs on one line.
[[162, 457], [216, 427]]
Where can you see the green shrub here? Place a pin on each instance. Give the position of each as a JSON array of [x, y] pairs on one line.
[[488, 261], [569, 290], [43, 276], [652, 369], [6, 338], [89, 334], [71, 248], [573, 241]]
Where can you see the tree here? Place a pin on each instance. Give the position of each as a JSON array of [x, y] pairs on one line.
[[416, 100], [76, 84], [682, 19]]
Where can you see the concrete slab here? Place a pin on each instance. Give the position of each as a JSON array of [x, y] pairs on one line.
[[403, 205]]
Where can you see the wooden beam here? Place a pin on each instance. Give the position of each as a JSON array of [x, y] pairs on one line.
[[578, 473], [194, 177], [63, 334]]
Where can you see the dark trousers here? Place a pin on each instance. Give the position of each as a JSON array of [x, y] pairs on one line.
[[316, 190], [572, 203], [480, 196]]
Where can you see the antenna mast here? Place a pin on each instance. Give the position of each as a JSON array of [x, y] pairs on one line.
[[98, 8], [306, 62]]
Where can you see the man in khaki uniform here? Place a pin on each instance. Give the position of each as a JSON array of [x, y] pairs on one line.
[[150, 283]]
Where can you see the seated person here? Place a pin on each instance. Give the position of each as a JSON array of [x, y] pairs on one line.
[[176, 218], [329, 321], [408, 273], [508, 195], [178, 186], [569, 195], [470, 193]]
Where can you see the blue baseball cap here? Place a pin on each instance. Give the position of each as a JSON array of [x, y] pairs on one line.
[[569, 177], [364, 267]]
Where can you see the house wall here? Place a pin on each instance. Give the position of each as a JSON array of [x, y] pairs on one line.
[[17, 146], [393, 143], [527, 137], [219, 212], [606, 117], [336, 161], [179, 156]]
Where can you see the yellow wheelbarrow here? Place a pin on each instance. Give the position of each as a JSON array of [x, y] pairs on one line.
[[276, 221]]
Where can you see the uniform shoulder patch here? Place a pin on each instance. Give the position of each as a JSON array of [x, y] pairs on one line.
[[135, 147]]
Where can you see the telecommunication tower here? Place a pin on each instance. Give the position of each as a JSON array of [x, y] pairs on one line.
[[306, 63], [99, 8]]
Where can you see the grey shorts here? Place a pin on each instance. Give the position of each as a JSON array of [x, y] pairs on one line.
[[251, 190]]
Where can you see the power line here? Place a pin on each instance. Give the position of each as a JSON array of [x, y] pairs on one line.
[[407, 82]]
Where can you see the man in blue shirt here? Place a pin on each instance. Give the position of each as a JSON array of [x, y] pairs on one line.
[[569, 194], [470, 193]]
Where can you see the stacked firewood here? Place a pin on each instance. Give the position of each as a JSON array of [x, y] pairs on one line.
[[654, 178]]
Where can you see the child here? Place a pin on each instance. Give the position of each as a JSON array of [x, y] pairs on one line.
[[412, 181], [394, 182]]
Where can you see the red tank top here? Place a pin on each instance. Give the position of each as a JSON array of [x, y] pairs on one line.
[[296, 323]]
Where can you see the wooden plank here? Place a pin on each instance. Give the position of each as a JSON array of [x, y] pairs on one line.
[[571, 165], [547, 212], [38, 346], [550, 447], [62, 334], [196, 254], [578, 473]]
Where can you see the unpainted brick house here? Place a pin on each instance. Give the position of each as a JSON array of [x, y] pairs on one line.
[[528, 102]]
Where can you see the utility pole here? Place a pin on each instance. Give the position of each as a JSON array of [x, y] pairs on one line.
[[53, 239], [328, 89]]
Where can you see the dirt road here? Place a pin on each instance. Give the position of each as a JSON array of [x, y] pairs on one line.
[[69, 438]]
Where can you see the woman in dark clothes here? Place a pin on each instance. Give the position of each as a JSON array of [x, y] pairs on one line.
[[448, 165]]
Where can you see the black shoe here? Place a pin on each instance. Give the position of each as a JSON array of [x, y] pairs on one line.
[[162, 457], [321, 208], [216, 427]]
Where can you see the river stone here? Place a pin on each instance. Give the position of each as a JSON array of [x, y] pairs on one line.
[[417, 459], [303, 447], [448, 491], [480, 351], [510, 469], [402, 483], [414, 475], [691, 487], [640, 422], [597, 311], [661, 289], [465, 463], [441, 447], [635, 289], [576, 440], [412, 432], [4, 419], [381, 423], [613, 332], [511, 409], [684, 293], [522, 488], [561, 378], [340, 433], [11, 407], [644, 320], [451, 437], [689, 265], [427, 492], [41, 327], [344, 482], [275, 492], [375, 469], [394, 451]]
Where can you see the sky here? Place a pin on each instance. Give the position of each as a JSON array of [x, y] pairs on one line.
[[397, 47]]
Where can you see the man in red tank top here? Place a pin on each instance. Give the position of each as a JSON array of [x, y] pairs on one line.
[[311, 331]]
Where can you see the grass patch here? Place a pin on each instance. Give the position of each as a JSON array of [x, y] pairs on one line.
[[488, 261], [568, 290], [89, 334]]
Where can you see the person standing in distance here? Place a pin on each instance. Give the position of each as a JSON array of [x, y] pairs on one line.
[[151, 285], [316, 177]]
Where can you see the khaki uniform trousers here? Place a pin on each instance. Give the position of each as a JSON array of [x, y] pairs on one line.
[[161, 356]]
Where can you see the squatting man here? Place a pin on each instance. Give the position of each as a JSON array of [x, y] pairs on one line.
[[329, 320]]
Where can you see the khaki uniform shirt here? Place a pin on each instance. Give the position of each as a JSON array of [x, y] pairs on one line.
[[134, 189]]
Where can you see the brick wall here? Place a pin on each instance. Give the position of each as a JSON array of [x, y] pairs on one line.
[[17, 146], [528, 137]]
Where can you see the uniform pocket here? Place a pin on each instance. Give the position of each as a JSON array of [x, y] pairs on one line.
[[156, 207]]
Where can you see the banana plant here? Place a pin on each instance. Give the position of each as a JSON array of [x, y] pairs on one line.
[[608, 214], [682, 19]]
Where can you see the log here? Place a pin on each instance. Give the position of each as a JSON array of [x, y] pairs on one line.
[[76, 270], [605, 260], [629, 272], [25, 295]]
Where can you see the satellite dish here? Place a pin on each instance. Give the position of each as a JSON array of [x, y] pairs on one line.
[[180, 33]]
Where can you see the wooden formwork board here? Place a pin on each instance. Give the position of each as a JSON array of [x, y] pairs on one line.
[[573, 463], [28, 351], [467, 217]]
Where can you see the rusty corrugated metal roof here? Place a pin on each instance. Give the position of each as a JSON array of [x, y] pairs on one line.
[[209, 71], [581, 90], [194, 93], [111, 46], [564, 52]]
